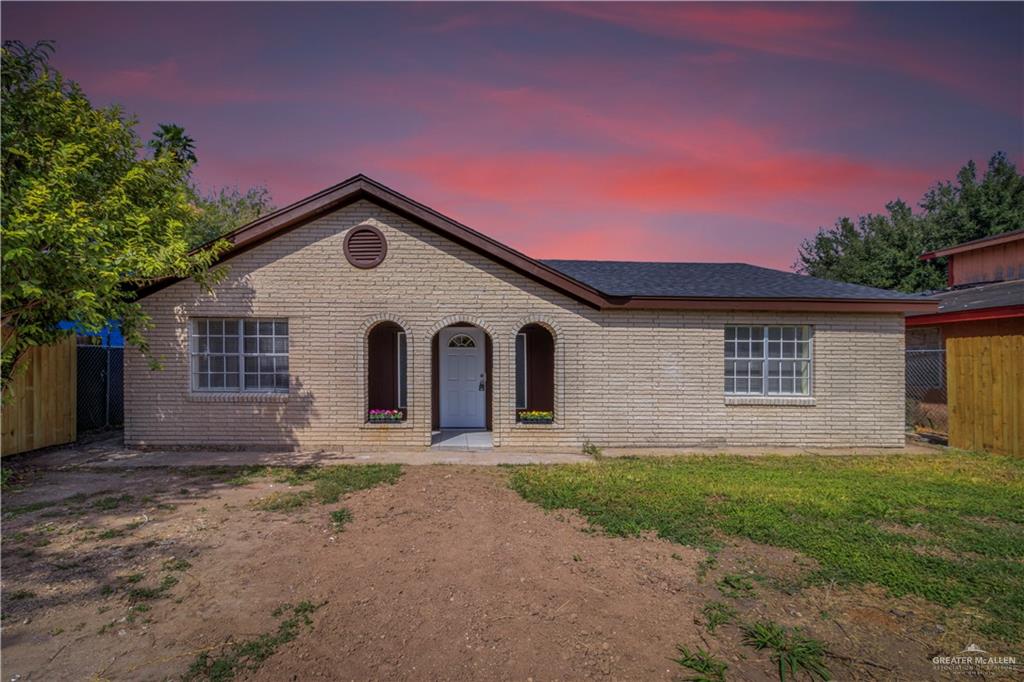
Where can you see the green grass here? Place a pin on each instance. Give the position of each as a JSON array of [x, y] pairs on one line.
[[112, 502], [736, 586], [76, 499], [20, 594], [792, 652], [717, 613], [329, 483], [705, 667], [247, 655], [11, 512], [283, 501], [137, 594], [340, 518], [846, 513], [176, 565]]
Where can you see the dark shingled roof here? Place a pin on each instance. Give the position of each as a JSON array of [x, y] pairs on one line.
[[980, 296], [712, 280]]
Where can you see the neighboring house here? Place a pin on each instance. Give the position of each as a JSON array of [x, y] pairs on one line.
[[358, 298], [980, 323]]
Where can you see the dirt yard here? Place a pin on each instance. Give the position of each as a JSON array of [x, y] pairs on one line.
[[446, 574]]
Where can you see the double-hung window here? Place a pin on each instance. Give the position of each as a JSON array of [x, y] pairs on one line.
[[768, 360], [234, 355]]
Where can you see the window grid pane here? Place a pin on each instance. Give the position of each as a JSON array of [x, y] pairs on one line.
[[239, 355], [265, 351], [763, 360]]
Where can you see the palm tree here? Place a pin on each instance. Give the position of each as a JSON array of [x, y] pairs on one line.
[[172, 139]]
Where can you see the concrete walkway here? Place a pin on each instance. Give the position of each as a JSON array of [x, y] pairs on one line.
[[107, 451], [461, 439]]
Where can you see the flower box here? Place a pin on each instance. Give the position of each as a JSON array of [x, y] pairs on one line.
[[535, 417], [385, 416]]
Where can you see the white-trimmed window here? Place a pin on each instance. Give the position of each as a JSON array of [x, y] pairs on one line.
[[239, 355], [402, 356], [771, 360], [520, 371]]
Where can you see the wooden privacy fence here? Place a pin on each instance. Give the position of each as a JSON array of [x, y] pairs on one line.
[[39, 406], [986, 387]]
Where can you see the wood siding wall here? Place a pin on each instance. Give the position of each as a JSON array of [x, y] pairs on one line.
[[991, 264], [985, 366], [39, 407]]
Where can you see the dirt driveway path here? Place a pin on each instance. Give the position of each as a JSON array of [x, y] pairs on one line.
[[446, 574]]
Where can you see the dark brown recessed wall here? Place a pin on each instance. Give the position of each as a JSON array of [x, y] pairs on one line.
[[382, 364], [540, 368]]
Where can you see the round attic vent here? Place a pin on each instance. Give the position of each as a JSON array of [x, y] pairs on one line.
[[365, 247]]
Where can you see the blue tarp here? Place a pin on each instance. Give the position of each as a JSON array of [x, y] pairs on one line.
[[110, 335]]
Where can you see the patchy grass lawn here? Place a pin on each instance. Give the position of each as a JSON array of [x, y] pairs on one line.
[[948, 528], [329, 483], [219, 573]]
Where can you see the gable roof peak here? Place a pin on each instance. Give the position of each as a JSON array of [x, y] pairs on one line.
[[570, 278]]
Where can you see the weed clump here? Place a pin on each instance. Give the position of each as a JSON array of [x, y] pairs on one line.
[[246, 656], [340, 518], [791, 651], [706, 667], [717, 613]]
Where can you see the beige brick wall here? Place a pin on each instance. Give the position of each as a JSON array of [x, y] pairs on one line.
[[622, 378]]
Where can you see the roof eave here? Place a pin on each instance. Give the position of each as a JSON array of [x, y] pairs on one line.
[[969, 315], [974, 245], [776, 304]]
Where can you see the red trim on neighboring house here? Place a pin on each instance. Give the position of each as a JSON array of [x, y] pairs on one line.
[[966, 316]]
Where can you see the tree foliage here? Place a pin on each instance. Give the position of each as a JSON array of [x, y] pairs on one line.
[[171, 139], [882, 250], [84, 215], [221, 211]]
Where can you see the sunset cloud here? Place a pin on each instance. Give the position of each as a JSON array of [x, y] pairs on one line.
[[660, 131], [827, 32]]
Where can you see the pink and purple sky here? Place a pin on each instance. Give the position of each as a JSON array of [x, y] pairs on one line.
[[686, 132]]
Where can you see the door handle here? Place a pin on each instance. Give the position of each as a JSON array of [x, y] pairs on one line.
[[483, 383]]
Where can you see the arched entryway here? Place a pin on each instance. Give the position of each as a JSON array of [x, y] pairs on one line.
[[535, 371], [387, 385], [461, 378]]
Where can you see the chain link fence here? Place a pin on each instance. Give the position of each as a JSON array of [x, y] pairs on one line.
[[100, 387], [926, 390]]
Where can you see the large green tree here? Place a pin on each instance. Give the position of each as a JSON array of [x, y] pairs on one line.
[[222, 210], [85, 216], [882, 250]]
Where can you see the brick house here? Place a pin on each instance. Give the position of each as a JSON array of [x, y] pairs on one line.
[[358, 299]]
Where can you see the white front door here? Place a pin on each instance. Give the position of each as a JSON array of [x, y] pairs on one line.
[[463, 389]]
